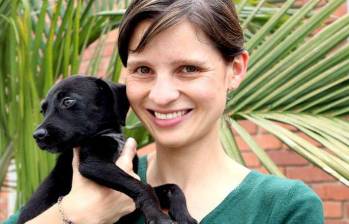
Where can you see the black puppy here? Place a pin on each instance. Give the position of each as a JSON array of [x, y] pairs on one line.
[[88, 112]]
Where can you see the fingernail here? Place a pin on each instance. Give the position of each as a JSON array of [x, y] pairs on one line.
[[130, 142]]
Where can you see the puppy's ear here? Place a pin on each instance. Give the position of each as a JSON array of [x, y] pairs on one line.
[[118, 94], [122, 105]]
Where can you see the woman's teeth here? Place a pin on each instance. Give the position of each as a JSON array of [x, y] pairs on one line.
[[169, 115]]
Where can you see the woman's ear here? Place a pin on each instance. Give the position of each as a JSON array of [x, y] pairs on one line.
[[238, 70]]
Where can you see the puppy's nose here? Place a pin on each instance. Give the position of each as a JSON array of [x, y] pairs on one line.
[[40, 133]]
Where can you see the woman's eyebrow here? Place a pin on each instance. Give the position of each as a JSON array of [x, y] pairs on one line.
[[188, 62], [133, 63], [176, 62]]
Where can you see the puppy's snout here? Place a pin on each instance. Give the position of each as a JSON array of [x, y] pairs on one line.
[[40, 134]]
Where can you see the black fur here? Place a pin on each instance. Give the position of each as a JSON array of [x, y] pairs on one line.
[[88, 112]]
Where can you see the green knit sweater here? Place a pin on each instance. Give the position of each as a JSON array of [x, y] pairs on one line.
[[259, 199], [262, 199]]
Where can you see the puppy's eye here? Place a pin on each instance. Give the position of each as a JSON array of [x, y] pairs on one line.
[[43, 107], [68, 102]]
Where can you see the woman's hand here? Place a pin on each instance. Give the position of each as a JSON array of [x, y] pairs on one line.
[[91, 203]]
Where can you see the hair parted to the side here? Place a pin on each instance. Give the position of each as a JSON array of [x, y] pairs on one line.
[[217, 19]]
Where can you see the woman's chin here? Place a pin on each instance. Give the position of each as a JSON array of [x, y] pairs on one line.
[[173, 143]]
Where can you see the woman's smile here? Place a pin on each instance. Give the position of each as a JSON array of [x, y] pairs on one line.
[[169, 119]]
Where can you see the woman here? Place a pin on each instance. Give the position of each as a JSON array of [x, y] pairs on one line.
[[182, 58]]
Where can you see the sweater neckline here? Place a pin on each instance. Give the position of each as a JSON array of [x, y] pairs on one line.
[[235, 194], [233, 197]]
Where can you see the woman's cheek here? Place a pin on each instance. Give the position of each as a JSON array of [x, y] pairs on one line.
[[208, 89], [134, 90]]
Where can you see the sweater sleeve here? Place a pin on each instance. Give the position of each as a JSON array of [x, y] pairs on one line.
[[302, 206]]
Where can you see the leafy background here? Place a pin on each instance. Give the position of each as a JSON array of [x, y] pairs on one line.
[[298, 75]]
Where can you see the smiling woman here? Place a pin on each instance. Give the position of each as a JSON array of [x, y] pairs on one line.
[[182, 58]]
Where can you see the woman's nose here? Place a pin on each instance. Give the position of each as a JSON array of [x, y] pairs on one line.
[[164, 91]]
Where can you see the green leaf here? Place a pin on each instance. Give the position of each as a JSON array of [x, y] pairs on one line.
[[228, 141]]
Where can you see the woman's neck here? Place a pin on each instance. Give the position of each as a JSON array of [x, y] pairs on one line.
[[195, 164], [201, 163]]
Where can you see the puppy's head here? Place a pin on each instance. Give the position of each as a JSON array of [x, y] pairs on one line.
[[78, 108]]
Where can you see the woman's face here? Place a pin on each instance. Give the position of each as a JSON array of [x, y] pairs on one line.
[[177, 84]]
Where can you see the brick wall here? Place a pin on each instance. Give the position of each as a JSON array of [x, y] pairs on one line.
[[334, 194], [8, 193], [3, 204]]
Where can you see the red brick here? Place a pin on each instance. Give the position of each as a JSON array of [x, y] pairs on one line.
[[287, 126], [336, 222], [332, 191], [88, 52], [249, 126], [287, 158], [241, 144], [103, 66], [263, 131], [112, 37], [268, 141], [309, 139], [300, 3], [341, 11], [108, 50], [309, 174], [146, 149], [3, 205], [286, 147], [262, 170], [251, 159], [333, 209], [83, 67], [346, 207]]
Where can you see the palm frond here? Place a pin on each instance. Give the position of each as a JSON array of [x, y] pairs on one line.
[[299, 75]]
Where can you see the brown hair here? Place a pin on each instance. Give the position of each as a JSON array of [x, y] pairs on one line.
[[216, 18]]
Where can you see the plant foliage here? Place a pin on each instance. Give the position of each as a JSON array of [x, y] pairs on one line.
[[298, 75]]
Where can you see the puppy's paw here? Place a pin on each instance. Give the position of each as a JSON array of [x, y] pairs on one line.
[[183, 219], [160, 221], [192, 221], [188, 220]]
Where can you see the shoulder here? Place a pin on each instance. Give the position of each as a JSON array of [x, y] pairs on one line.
[[292, 201], [281, 187], [270, 184]]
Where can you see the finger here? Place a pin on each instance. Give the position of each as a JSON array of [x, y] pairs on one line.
[[127, 155], [75, 164], [76, 157]]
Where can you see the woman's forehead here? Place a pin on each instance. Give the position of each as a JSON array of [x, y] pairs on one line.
[[180, 38]]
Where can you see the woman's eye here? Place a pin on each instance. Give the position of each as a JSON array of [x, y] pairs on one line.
[[68, 102], [189, 69], [143, 70]]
